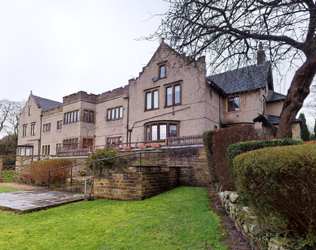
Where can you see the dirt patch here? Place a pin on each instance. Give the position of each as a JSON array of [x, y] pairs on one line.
[[235, 239], [20, 186]]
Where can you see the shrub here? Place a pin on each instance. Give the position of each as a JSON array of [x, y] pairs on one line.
[[221, 140], [25, 177], [102, 164], [208, 146], [279, 183], [39, 170], [243, 147]]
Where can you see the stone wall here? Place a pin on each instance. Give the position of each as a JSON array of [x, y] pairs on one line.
[[246, 222], [192, 164], [136, 185]]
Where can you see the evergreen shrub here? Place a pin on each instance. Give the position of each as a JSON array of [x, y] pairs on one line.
[[243, 147], [208, 146], [39, 170], [220, 142], [279, 184]]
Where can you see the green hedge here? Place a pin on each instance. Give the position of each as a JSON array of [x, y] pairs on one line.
[[243, 147], [208, 146], [279, 184]]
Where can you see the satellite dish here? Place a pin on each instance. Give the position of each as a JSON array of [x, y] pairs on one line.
[[154, 79]]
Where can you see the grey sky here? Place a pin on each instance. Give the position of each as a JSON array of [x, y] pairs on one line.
[[59, 47]]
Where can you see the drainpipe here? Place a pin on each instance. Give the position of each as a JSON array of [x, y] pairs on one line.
[[127, 119], [40, 139], [220, 111]]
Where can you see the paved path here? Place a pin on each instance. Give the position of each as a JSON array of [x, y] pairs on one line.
[[33, 200]]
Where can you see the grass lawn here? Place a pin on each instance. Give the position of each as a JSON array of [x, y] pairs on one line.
[[178, 219], [7, 175], [8, 189]]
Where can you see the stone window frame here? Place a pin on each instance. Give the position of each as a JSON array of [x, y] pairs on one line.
[[88, 116], [148, 130], [47, 127], [33, 128], [151, 93], [71, 117], [115, 113], [59, 125], [173, 97], [46, 150], [24, 130]]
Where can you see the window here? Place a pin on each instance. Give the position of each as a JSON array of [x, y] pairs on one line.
[[152, 100], [114, 141], [87, 143], [27, 151], [162, 71], [173, 95], [58, 147], [46, 150], [88, 116], [22, 152], [160, 131], [24, 132], [59, 125], [46, 127], [33, 128], [115, 113], [70, 144], [233, 103], [29, 111], [72, 116]]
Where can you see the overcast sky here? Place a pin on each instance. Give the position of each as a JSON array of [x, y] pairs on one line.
[[59, 47]]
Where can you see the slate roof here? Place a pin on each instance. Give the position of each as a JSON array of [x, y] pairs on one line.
[[46, 104], [273, 97], [274, 120], [243, 79]]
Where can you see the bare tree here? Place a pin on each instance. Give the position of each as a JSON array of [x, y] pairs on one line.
[[228, 31], [9, 116]]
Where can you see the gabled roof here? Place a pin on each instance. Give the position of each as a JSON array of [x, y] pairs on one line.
[[274, 97], [244, 79], [46, 104]]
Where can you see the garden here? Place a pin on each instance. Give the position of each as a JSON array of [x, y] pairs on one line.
[[178, 219]]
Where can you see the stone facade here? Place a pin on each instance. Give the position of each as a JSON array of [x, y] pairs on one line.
[[171, 97]]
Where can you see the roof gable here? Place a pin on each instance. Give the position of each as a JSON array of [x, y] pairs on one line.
[[46, 104], [244, 79]]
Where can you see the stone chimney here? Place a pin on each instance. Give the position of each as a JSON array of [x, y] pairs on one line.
[[261, 56]]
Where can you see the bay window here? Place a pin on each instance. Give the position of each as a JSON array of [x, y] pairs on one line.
[[160, 130]]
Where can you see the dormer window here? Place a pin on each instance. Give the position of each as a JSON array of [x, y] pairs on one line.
[[162, 71]]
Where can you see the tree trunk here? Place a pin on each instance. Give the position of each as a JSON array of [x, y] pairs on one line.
[[296, 95]]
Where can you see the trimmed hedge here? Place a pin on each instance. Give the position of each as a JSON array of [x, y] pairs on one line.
[[39, 170], [220, 142], [279, 184], [243, 147], [208, 146]]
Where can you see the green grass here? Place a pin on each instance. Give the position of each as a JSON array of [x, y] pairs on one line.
[[7, 175], [178, 219], [8, 189]]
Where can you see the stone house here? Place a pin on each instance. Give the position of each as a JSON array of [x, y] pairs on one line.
[[171, 97]]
